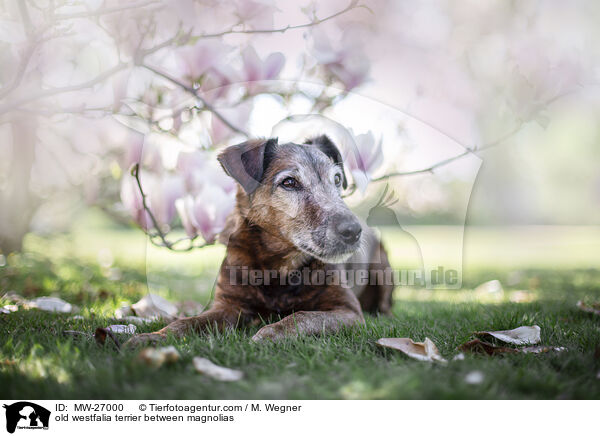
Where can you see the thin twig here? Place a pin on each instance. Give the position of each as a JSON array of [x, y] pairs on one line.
[[206, 105], [353, 5]]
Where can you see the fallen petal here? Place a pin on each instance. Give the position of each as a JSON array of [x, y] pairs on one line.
[[490, 287], [154, 306], [541, 349], [137, 320], [519, 336], [10, 308], [50, 304], [425, 351], [206, 367], [474, 378], [122, 329]]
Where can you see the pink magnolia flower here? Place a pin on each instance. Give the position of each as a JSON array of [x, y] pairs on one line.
[[161, 194], [346, 61], [255, 69], [256, 14], [206, 213], [199, 169], [205, 55], [364, 158]]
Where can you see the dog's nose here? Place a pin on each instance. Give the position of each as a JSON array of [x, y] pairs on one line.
[[348, 228]]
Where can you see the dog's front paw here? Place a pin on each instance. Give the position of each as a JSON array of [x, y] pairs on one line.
[[271, 332], [145, 339]]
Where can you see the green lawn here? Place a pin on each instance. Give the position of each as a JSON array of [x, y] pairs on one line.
[[97, 267]]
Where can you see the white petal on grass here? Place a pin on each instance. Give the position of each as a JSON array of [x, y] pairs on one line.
[[137, 320], [9, 308], [523, 335], [50, 304], [124, 329], [153, 305], [491, 287], [474, 378], [206, 367], [425, 351]]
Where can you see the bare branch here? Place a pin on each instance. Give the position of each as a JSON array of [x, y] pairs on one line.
[[164, 242], [105, 11], [206, 105], [353, 5]]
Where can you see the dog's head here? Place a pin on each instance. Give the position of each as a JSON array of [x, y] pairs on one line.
[[294, 191]]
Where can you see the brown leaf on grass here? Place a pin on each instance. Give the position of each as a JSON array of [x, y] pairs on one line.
[[206, 367], [519, 336], [591, 308], [153, 305], [478, 346], [101, 334], [425, 351]]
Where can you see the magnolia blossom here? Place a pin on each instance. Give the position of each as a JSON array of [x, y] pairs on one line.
[[206, 213], [161, 194], [364, 158], [256, 14], [200, 168], [204, 56], [345, 60], [256, 69]]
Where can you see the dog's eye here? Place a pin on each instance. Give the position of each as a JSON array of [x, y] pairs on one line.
[[290, 184], [337, 179]]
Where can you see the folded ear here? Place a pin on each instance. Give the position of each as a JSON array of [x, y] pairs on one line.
[[325, 144], [245, 162]]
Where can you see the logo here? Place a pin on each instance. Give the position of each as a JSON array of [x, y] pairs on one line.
[[26, 415]]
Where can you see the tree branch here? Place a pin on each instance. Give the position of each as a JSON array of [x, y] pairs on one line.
[[353, 5], [206, 105]]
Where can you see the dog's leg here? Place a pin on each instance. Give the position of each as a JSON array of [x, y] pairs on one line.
[[212, 318], [310, 323]]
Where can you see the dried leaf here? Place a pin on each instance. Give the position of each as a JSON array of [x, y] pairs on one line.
[[50, 304], [122, 329], [520, 336], [480, 347], [425, 351], [101, 334], [206, 367], [155, 357], [154, 306], [592, 308]]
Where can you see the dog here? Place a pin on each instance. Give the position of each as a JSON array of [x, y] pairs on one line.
[[290, 219]]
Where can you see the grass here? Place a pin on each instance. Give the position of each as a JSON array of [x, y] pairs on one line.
[[97, 267]]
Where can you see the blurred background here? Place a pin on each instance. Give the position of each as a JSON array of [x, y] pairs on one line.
[[484, 114]]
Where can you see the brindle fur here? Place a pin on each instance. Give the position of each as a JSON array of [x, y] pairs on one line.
[[272, 229]]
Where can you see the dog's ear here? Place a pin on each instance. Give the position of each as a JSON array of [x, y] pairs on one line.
[[245, 162], [325, 144]]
